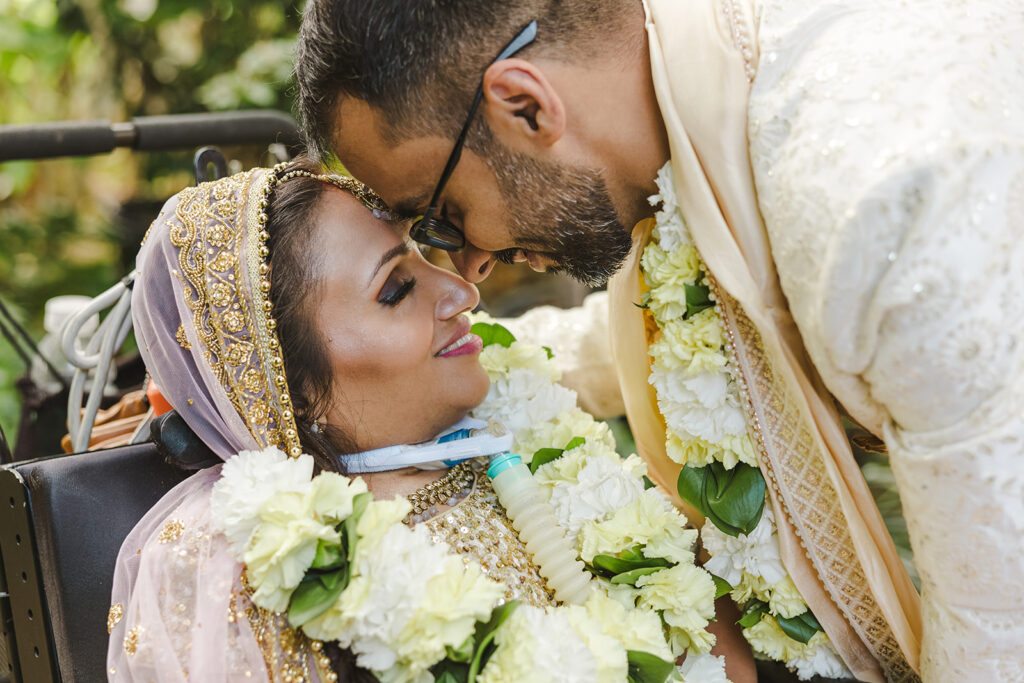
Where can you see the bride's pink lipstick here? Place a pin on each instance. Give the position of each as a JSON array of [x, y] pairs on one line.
[[462, 342], [469, 343]]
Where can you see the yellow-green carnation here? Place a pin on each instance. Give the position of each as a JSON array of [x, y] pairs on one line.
[[685, 596], [638, 522], [282, 547]]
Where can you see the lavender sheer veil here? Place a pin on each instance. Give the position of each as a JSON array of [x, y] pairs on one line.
[[201, 314]]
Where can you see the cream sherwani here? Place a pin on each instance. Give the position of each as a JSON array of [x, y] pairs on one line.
[[853, 175]]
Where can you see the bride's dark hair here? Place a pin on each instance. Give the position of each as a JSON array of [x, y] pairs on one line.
[[294, 263]]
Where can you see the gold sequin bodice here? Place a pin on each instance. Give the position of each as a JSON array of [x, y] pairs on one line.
[[478, 528]]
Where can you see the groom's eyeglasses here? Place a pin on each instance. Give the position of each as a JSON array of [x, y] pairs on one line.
[[434, 230]]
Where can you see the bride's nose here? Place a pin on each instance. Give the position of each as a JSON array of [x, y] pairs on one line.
[[474, 263], [457, 296]]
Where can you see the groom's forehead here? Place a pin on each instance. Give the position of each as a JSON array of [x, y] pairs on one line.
[[403, 174]]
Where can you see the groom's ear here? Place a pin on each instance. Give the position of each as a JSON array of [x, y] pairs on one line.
[[521, 104]]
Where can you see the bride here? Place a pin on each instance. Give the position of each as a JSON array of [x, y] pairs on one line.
[[302, 340]]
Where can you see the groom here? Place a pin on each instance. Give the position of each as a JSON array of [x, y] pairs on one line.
[[852, 176]]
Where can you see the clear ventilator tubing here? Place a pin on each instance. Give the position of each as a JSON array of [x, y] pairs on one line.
[[534, 518]]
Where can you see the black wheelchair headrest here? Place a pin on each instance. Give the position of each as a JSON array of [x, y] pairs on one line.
[[178, 444]]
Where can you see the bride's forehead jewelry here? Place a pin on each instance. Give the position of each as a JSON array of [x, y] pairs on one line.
[[278, 174]]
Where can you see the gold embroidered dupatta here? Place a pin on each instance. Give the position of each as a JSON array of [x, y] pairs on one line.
[[832, 539]]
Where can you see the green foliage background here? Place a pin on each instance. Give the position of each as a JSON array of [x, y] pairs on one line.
[[63, 228]]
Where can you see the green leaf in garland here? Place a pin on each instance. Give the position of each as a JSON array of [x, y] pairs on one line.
[[543, 457], [722, 587], [646, 668], [645, 301], [547, 350], [698, 298], [328, 556], [609, 566], [690, 486], [631, 576], [484, 636], [575, 442], [634, 554], [359, 505], [752, 613], [648, 484], [800, 628], [493, 333], [732, 499], [736, 496], [464, 652], [315, 595], [447, 672]]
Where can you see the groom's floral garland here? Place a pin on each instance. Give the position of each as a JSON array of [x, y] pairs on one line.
[[344, 567], [707, 434]]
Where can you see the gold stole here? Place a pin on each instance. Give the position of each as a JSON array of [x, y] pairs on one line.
[[832, 539]]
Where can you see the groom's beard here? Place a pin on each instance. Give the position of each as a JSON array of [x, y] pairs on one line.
[[562, 212]]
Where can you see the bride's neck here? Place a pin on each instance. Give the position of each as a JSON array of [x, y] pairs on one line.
[[387, 485]]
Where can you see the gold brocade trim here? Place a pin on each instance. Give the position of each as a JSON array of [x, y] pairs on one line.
[[793, 467], [210, 230]]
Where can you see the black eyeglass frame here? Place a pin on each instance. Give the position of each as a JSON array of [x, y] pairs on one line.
[[437, 231]]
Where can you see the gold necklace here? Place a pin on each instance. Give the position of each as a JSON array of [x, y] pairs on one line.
[[442, 490]]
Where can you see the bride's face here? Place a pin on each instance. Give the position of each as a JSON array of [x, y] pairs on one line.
[[394, 329]]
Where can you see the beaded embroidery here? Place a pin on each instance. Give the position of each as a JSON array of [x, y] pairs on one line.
[[478, 528]]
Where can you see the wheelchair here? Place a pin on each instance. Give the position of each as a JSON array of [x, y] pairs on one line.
[[63, 517]]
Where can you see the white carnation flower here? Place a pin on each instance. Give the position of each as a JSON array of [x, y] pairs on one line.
[[247, 481], [560, 431], [524, 398], [703, 668], [607, 650], [541, 647], [666, 196], [635, 628], [819, 659], [671, 231], [390, 579], [700, 405], [757, 553], [283, 547], [635, 466], [498, 360], [601, 487]]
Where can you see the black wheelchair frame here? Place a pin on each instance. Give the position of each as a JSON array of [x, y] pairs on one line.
[[63, 518]]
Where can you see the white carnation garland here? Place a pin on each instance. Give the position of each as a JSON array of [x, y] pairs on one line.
[[344, 566], [707, 434]]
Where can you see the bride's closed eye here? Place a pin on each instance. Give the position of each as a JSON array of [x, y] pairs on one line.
[[395, 289]]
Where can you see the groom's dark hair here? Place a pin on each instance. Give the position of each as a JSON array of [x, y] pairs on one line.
[[418, 62]]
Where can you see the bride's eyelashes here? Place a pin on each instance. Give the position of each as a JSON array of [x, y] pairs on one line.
[[395, 289]]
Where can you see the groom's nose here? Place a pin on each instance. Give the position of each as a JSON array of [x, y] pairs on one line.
[[473, 263]]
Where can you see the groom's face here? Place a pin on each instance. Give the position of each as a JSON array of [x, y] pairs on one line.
[[511, 206]]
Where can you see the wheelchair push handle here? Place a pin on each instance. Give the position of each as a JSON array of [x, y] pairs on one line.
[[147, 133]]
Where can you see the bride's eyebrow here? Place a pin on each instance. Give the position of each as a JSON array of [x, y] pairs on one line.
[[392, 253]]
